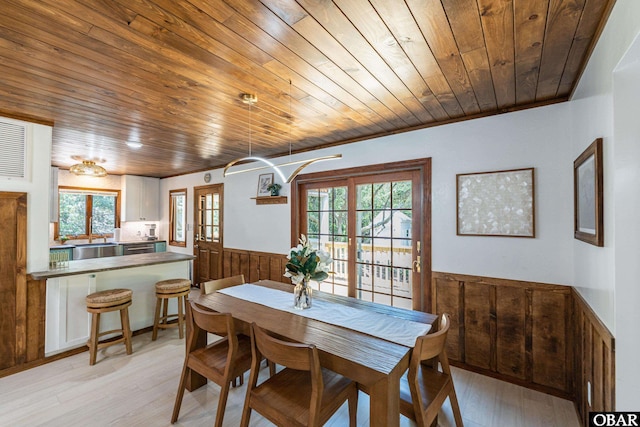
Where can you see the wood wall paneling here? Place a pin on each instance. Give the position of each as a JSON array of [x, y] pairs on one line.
[[254, 265], [594, 361], [511, 304], [450, 300], [513, 330], [538, 335]]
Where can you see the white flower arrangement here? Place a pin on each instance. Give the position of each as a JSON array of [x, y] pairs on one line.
[[306, 263]]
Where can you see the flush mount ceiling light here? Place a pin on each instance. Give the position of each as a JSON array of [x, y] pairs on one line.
[[251, 99], [134, 144], [88, 168]]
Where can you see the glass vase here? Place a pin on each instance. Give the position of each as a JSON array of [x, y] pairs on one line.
[[302, 296]]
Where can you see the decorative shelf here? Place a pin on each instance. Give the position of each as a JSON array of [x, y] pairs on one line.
[[270, 200]]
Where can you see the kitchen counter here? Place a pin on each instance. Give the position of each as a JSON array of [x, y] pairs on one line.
[[95, 265]]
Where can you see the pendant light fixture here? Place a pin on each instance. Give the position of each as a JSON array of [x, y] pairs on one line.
[[88, 168], [251, 99]]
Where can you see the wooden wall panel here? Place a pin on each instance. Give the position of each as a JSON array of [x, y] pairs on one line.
[[451, 301], [511, 306], [549, 339], [512, 330], [477, 319], [254, 265], [594, 362], [541, 336]]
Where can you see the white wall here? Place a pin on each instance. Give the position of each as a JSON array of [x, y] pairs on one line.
[[37, 188], [605, 105], [627, 232], [536, 138]]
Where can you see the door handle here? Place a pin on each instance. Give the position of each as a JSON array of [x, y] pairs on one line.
[[416, 265]]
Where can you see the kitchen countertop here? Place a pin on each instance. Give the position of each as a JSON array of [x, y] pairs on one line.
[[94, 265]]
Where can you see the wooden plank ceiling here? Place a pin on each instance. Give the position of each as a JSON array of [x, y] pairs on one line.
[[169, 73]]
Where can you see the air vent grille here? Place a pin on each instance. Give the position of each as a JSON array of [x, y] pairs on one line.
[[13, 150]]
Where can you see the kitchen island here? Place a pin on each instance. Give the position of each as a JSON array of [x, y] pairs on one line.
[[67, 323]]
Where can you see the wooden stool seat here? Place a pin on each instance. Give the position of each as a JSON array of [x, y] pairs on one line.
[[173, 286], [166, 289], [105, 302]]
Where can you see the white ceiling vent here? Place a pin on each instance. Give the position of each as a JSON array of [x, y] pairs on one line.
[[13, 150]]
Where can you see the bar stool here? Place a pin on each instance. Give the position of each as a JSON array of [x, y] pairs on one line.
[[165, 290], [104, 302]]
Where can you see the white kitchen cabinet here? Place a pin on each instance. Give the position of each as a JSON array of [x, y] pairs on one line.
[[141, 198], [53, 195], [67, 321]]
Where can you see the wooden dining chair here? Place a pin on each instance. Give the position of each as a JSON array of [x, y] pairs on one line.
[[221, 362], [425, 387], [301, 394], [215, 285]]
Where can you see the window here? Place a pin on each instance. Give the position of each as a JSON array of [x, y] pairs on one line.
[[372, 222], [86, 210], [178, 217]]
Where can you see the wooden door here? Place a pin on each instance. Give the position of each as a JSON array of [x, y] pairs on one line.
[[207, 245], [13, 278], [366, 224]]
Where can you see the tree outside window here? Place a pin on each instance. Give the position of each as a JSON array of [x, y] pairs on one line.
[[82, 210]]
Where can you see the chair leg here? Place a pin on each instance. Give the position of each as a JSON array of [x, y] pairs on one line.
[[93, 338], [222, 403], [180, 317], [126, 329], [183, 379], [457, 415], [156, 319], [353, 408]]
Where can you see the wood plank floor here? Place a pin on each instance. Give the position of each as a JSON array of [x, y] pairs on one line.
[[139, 390]]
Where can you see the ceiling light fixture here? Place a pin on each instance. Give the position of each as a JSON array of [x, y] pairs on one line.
[[134, 144], [88, 168], [251, 99]]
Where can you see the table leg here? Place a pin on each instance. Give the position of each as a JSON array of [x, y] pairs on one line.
[[385, 402], [195, 380]]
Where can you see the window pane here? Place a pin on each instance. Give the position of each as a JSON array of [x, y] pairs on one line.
[[313, 200], [178, 218], [363, 195], [363, 224], [401, 195], [382, 196], [73, 214], [104, 214]]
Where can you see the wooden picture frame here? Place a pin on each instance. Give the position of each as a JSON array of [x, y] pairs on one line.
[[264, 181], [498, 203], [588, 195]]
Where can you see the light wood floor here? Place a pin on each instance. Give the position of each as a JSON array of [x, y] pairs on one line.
[[139, 390]]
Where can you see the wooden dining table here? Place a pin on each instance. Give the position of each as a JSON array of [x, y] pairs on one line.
[[374, 363]]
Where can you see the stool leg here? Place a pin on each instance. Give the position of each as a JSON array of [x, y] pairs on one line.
[[156, 319], [93, 339], [126, 330], [180, 317], [165, 311]]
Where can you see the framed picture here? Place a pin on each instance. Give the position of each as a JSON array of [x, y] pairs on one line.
[[587, 195], [264, 181], [497, 203]]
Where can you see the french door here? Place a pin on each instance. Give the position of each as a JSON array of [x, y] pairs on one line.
[[373, 227], [207, 245]]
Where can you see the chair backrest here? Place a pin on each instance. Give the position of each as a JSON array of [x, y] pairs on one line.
[[215, 285], [302, 357], [431, 345], [211, 321]]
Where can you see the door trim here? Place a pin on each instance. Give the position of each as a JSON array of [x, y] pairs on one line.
[[423, 166]]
